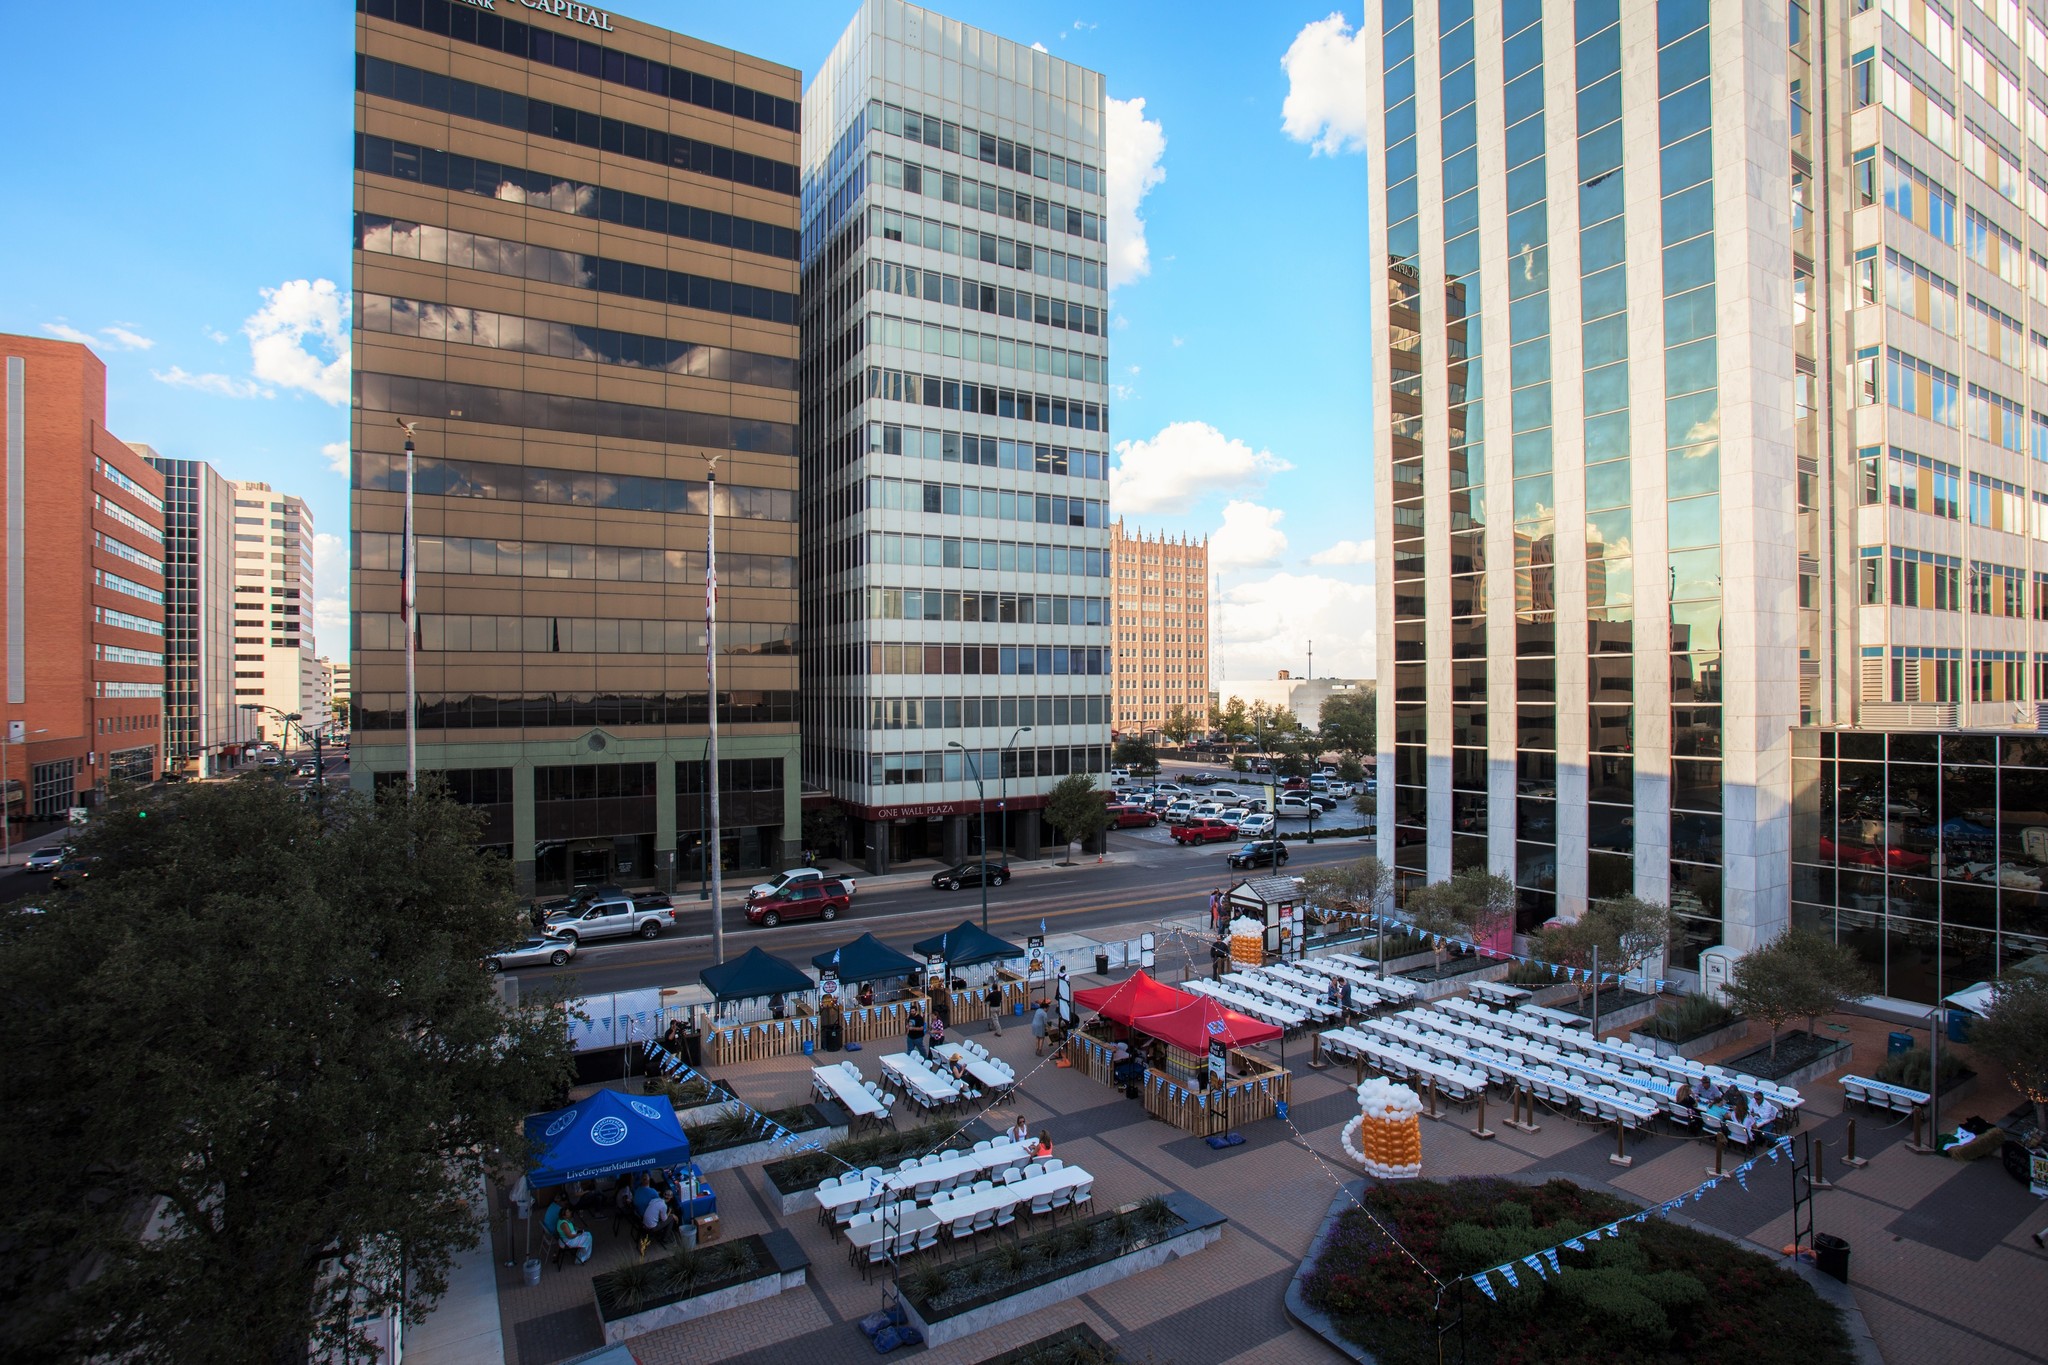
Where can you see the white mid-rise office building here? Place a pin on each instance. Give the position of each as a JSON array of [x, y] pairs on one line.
[[276, 665], [955, 503]]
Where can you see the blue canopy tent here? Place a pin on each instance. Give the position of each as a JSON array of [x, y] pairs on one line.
[[605, 1134], [867, 958], [964, 945], [752, 975]]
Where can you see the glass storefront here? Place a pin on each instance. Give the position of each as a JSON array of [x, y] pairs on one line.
[[1927, 851]]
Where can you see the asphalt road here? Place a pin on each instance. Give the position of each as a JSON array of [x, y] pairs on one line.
[[1145, 877]]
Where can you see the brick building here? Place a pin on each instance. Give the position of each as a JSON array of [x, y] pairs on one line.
[[83, 528], [1161, 592]]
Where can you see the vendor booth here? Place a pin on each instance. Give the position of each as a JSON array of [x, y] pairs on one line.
[[1276, 904], [966, 946], [891, 981], [756, 975], [1199, 1079], [1105, 1008], [610, 1136]]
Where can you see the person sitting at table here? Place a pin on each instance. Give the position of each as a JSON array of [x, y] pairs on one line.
[[644, 1194], [1764, 1114], [1044, 1147], [1739, 1124], [1683, 1098], [957, 1065], [1709, 1092], [654, 1219], [1019, 1131], [564, 1230]]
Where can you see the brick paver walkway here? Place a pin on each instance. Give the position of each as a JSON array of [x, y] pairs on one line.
[[1942, 1263]]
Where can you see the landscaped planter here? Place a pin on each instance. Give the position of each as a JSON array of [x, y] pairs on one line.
[[1797, 1063], [1457, 973], [1619, 1008], [1699, 1045], [823, 1124], [779, 1265], [1200, 1227]]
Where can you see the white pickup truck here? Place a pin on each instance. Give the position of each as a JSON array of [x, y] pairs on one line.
[[621, 918]]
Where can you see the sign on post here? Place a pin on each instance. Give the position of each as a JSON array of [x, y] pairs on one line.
[[828, 983], [1219, 1053], [1034, 948], [935, 971]]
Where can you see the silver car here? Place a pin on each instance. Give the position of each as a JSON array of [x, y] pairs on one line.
[[47, 858], [555, 952]]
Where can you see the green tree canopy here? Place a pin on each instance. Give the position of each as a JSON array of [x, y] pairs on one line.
[[269, 1040], [1076, 809], [2015, 1035], [1233, 719], [1136, 753], [1349, 723], [1797, 975], [1626, 932], [1471, 905], [1180, 725], [1362, 883]]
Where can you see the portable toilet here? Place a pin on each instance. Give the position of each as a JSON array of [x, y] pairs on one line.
[[1717, 969]]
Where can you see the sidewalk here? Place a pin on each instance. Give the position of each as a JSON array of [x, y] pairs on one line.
[[21, 848]]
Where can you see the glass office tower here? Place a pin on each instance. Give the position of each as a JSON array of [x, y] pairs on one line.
[[955, 497]]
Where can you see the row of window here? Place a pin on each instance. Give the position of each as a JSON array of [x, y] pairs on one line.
[[545, 47], [535, 189], [1002, 504], [129, 486], [121, 654], [126, 517], [484, 711], [123, 550], [1003, 556], [951, 765], [982, 348], [559, 412], [456, 634], [382, 551], [1003, 608], [935, 286], [889, 438], [936, 391], [933, 131], [1001, 660], [101, 578], [972, 713], [571, 269], [441, 478], [569, 341], [912, 178]]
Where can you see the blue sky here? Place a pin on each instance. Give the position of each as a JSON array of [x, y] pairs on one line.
[[190, 217]]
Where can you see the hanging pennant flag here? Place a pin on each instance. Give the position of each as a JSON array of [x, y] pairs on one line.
[[1535, 1263], [1485, 1286], [1550, 1255], [1742, 1177], [1574, 1244], [1507, 1272]]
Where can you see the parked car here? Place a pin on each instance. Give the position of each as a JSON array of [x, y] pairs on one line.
[[969, 874], [621, 918], [72, 871], [585, 896], [1234, 817], [555, 952], [1204, 809], [1170, 788], [1206, 830], [795, 876], [1294, 784], [1178, 810], [1327, 770], [1322, 801], [826, 899], [48, 858], [1260, 853], [1292, 806], [1228, 795], [1119, 774], [1263, 768], [1133, 817], [1257, 825]]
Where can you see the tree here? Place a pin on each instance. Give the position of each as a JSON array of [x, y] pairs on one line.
[[1349, 722], [1180, 725], [1350, 769], [1076, 809], [2015, 1035], [1470, 906], [824, 829], [268, 1039], [1799, 974], [1367, 805], [1619, 934], [1137, 754], [1362, 883], [1233, 719], [1293, 764]]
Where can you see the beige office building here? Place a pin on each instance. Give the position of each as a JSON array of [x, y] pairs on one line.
[[1161, 591], [575, 271], [276, 668]]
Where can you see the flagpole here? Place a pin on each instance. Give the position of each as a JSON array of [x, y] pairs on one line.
[[406, 610], [714, 849]]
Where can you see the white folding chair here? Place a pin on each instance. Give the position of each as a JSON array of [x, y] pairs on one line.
[[1006, 1216], [1011, 1175], [984, 1145], [928, 1238], [1054, 1163], [1035, 1168], [1084, 1194], [925, 1189], [1041, 1204]]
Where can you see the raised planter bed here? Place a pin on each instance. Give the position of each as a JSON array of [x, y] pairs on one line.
[[1434, 982], [1801, 1057], [1077, 1345], [1699, 1045], [774, 1263], [1618, 1007], [957, 1312], [822, 1123]]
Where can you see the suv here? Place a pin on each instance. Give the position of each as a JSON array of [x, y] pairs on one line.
[[583, 897], [610, 919], [782, 882], [822, 899], [1256, 825], [1293, 806], [1129, 817], [1259, 853], [1178, 811], [1206, 830]]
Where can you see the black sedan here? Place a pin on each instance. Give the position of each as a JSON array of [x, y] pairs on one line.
[[1259, 853], [969, 874]]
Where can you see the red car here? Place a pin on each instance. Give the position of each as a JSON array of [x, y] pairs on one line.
[[1132, 817], [1857, 855], [807, 900], [1206, 830]]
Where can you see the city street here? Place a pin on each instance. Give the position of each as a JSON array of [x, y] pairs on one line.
[[1143, 876]]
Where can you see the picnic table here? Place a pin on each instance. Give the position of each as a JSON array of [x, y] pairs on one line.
[[842, 1084], [1000, 1157], [987, 1071], [917, 1076]]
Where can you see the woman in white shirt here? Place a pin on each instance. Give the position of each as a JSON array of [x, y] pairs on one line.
[[1020, 1131]]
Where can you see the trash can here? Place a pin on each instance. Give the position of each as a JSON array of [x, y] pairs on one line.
[[1102, 962], [532, 1270], [1900, 1042], [1959, 1023], [833, 1035], [1831, 1256]]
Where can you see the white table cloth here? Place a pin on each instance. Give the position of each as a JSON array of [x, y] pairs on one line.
[[987, 1071], [997, 1158], [842, 1082]]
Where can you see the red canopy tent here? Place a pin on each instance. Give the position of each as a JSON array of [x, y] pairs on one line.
[[1137, 995], [1187, 1028]]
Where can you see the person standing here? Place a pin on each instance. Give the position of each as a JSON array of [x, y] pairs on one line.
[[1038, 1026], [913, 1032], [1216, 910], [1344, 995], [935, 1036], [993, 998]]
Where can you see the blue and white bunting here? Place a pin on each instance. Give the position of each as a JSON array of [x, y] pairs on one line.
[[1535, 1263], [1550, 1255], [1507, 1272], [1485, 1286]]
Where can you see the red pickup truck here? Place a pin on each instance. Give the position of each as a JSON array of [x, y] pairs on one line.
[[826, 898], [1206, 830]]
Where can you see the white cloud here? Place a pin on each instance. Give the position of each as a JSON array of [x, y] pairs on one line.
[[1345, 552], [64, 331], [1265, 625], [1136, 146], [126, 338], [337, 456], [1180, 341], [1326, 66], [220, 385], [215, 335], [1041, 47], [119, 336], [1172, 471], [298, 339], [330, 592], [1249, 536]]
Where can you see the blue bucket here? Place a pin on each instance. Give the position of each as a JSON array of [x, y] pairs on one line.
[[810, 1046]]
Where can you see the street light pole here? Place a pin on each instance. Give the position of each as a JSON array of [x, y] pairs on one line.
[[981, 800], [1002, 763], [716, 851], [407, 608]]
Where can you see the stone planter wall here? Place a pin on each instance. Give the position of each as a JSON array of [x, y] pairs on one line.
[[1694, 1047], [1832, 1061], [703, 1305], [1451, 985], [752, 1153], [1627, 1015], [1205, 1232]]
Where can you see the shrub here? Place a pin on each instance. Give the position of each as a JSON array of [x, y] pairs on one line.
[[805, 1171], [678, 1271], [1154, 1212], [1688, 1017], [1910, 1069], [625, 1289], [1530, 974]]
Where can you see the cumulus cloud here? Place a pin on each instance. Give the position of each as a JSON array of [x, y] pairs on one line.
[[298, 339], [1041, 47], [1325, 107], [1136, 145], [330, 591], [126, 337], [119, 336], [1249, 536], [220, 385], [64, 331], [1265, 625], [337, 456], [1172, 471], [1345, 552]]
